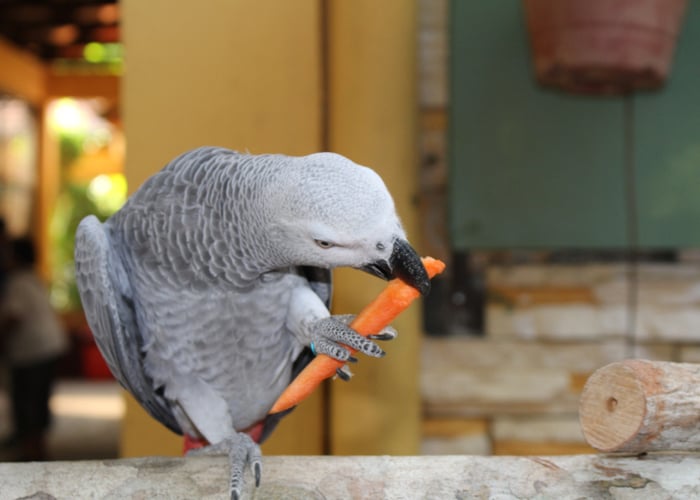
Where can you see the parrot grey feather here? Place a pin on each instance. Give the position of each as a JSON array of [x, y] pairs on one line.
[[207, 289]]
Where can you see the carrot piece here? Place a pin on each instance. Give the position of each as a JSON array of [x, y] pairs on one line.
[[378, 314]]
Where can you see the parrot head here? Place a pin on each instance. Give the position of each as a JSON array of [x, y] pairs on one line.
[[340, 214]]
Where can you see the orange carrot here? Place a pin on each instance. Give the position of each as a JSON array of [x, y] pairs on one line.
[[378, 314]]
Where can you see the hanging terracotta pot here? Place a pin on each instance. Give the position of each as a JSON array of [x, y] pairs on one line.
[[603, 46]]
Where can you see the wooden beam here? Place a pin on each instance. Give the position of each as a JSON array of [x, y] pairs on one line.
[[21, 74], [82, 86], [24, 76], [582, 476], [48, 186]]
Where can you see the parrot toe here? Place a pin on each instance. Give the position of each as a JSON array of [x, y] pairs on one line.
[[242, 451], [387, 333], [330, 335]]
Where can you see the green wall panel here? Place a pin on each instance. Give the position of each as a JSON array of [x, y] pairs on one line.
[[529, 168], [667, 149]]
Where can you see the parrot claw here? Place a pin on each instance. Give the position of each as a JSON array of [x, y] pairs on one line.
[[344, 373], [241, 451], [388, 333]]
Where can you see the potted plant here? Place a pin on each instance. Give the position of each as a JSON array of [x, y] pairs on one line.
[[603, 46]]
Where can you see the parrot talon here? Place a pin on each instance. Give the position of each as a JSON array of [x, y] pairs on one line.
[[389, 333], [344, 373], [258, 473], [380, 336]]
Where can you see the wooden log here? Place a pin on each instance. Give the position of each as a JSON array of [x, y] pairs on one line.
[[343, 477], [635, 406]]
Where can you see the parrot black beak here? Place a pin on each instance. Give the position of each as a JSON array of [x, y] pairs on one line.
[[405, 264]]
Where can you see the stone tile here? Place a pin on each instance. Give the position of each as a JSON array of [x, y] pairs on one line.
[[557, 322], [556, 275], [550, 302], [538, 428], [458, 445], [432, 53], [668, 323], [456, 437], [689, 354], [468, 377]]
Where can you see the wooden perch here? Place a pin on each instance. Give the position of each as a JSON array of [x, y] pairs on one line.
[[339, 478], [635, 406]]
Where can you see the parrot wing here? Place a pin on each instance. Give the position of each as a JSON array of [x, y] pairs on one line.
[[105, 292]]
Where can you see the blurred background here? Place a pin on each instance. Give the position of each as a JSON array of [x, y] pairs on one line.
[[547, 150]]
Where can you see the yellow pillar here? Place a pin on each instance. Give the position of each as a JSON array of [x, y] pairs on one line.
[[248, 75], [373, 120], [242, 74]]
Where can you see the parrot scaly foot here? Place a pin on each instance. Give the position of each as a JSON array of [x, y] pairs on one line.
[[241, 451], [330, 335]]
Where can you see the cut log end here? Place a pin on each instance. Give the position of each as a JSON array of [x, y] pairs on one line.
[[637, 405], [612, 408]]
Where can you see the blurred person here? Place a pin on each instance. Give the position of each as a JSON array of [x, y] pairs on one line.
[[32, 341]]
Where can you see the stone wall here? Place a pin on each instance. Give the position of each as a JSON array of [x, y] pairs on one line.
[[548, 328], [515, 390]]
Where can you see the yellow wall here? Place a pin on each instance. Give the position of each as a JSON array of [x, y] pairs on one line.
[[242, 74], [249, 75]]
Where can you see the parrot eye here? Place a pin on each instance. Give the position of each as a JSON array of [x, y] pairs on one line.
[[324, 244], [380, 246]]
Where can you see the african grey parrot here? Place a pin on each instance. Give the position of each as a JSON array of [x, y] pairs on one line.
[[206, 290]]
